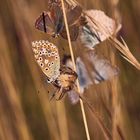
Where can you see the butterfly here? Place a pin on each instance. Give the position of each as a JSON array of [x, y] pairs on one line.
[[91, 35], [52, 22], [62, 77]]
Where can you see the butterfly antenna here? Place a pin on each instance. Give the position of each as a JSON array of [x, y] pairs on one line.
[[61, 94]]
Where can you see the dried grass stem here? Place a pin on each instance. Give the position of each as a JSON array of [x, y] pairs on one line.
[[72, 56]]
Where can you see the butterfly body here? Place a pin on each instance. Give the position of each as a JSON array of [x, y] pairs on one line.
[[47, 56]]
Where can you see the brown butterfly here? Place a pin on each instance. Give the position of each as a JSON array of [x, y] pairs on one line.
[[52, 22], [62, 77]]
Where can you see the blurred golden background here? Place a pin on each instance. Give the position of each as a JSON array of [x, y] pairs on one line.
[[25, 110]]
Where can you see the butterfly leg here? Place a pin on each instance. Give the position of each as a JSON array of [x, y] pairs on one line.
[[60, 93], [61, 96], [53, 95]]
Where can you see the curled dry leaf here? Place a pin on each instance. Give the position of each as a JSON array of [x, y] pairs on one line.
[[95, 70], [101, 69], [91, 35]]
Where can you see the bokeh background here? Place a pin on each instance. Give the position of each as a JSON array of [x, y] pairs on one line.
[[25, 110]]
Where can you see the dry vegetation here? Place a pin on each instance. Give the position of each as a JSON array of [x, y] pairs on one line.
[[25, 110]]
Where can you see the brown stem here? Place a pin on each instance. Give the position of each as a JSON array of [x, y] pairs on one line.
[[104, 129]]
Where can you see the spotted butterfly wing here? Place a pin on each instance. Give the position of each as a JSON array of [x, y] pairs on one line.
[[47, 56]]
